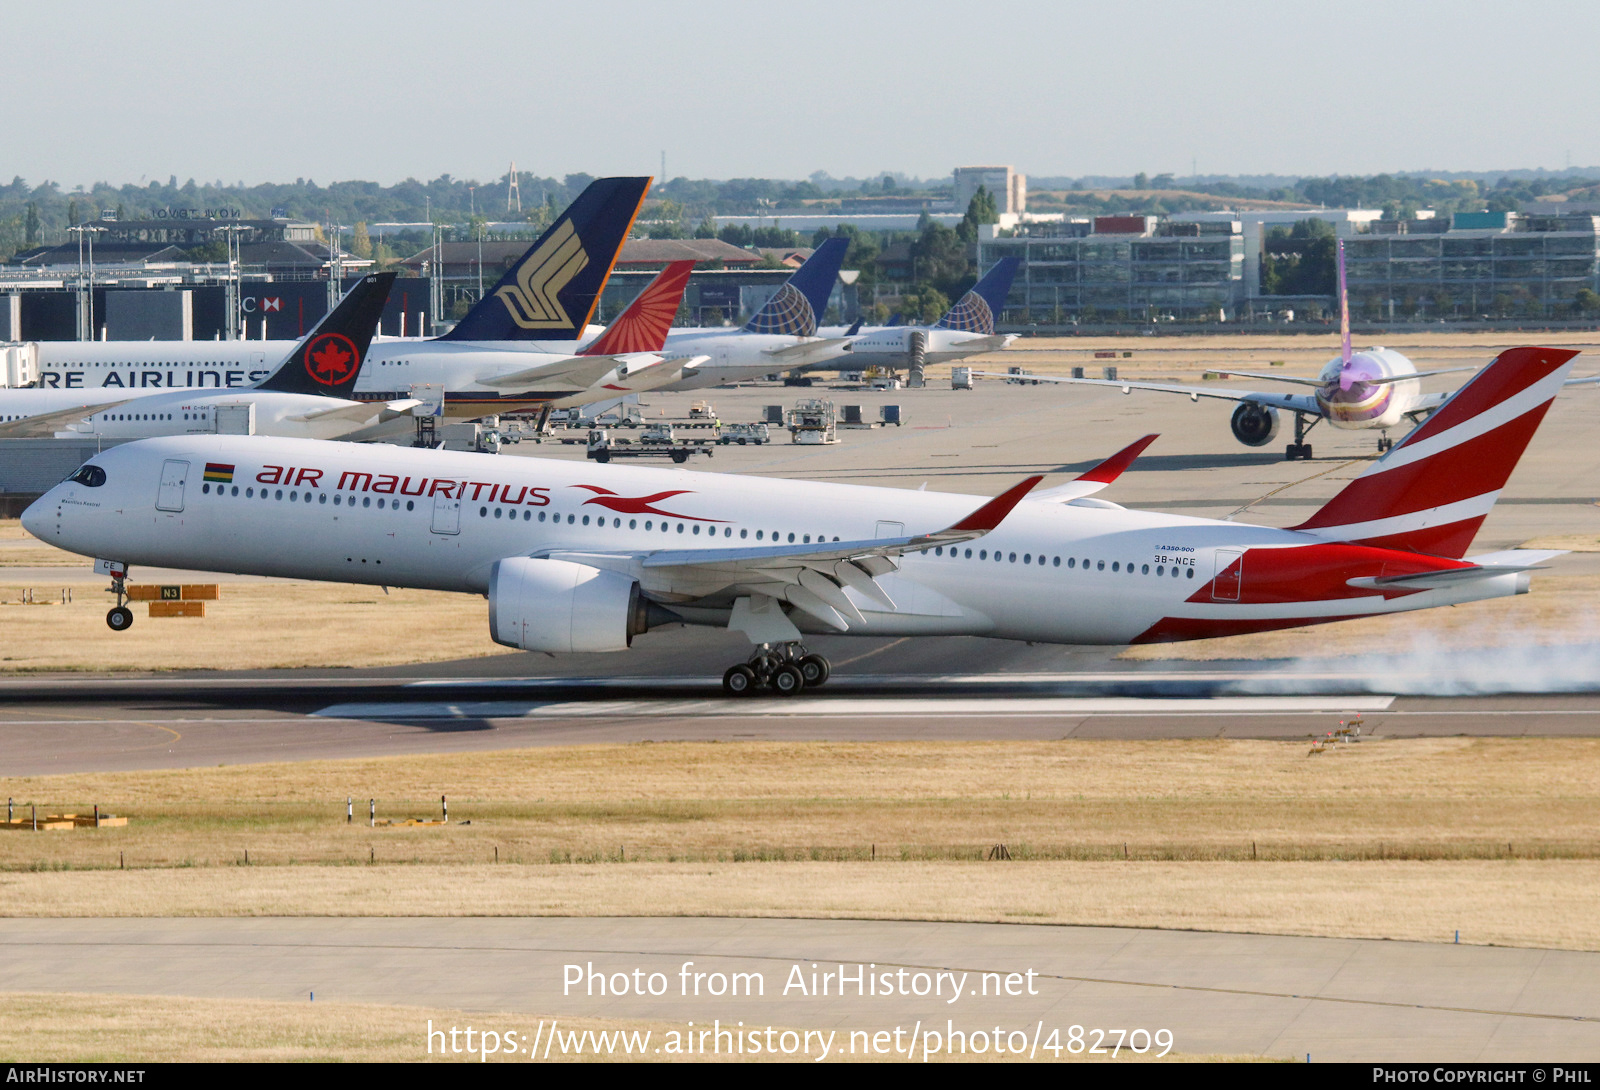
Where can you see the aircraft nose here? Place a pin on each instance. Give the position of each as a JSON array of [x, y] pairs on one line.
[[39, 515]]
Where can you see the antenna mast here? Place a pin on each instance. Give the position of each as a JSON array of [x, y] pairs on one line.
[[513, 192]]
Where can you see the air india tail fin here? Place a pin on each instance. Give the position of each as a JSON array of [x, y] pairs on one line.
[[643, 326], [328, 359], [552, 290], [1434, 488]]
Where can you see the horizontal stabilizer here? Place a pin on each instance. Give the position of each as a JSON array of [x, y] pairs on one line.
[[1087, 484]]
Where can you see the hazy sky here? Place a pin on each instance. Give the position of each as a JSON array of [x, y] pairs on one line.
[[344, 89]]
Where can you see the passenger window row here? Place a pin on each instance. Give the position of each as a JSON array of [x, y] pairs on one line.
[[1117, 566]]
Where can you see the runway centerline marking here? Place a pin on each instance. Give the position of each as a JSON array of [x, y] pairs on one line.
[[857, 708]]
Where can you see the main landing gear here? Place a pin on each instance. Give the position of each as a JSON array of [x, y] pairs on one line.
[[120, 618], [784, 668], [1300, 448]]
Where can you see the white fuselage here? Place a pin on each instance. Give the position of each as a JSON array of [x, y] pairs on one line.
[[193, 412], [1084, 572], [1349, 399], [735, 355], [890, 346], [392, 370]]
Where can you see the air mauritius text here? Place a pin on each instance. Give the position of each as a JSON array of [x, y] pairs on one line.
[[813, 981]]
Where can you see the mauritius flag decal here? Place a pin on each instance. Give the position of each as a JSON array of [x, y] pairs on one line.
[[219, 474]]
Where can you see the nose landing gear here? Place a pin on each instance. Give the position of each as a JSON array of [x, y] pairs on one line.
[[120, 618], [784, 669]]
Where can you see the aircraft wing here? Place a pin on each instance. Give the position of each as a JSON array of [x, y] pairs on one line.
[[1427, 403], [1295, 403], [46, 425], [828, 348], [359, 411], [578, 371], [811, 577]]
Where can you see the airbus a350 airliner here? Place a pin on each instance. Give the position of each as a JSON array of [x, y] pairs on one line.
[[581, 557]]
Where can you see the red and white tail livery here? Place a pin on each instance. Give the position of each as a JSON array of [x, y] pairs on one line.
[[1434, 488]]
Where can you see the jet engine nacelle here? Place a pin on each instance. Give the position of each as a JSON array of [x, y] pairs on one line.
[[556, 605], [1255, 425]]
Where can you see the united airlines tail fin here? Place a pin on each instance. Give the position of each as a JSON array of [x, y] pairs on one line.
[[329, 358], [1434, 488], [975, 311], [643, 326], [799, 304], [550, 294]]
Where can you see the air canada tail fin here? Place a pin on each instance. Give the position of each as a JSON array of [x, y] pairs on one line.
[[550, 294], [798, 306], [328, 360], [643, 326], [975, 311], [1434, 488]]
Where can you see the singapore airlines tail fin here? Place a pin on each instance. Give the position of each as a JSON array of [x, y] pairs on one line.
[[643, 326], [1434, 488], [329, 359], [550, 294], [798, 306], [975, 311]]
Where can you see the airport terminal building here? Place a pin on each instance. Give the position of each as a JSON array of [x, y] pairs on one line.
[[1207, 265]]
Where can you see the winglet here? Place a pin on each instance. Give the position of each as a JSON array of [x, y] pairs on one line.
[[991, 514], [1112, 468]]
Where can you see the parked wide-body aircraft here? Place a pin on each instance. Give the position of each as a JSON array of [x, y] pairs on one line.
[[512, 352], [1375, 388], [966, 329], [306, 395], [580, 557], [781, 336]]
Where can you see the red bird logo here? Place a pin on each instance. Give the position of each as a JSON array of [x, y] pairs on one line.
[[331, 359], [638, 505]]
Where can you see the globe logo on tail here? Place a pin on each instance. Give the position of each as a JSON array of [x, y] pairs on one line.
[[786, 312], [331, 359]]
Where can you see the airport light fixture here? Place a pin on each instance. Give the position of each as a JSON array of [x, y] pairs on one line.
[[86, 282], [230, 233]]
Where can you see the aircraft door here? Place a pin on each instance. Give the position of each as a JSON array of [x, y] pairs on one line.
[[1230, 575], [891, 529], [173, 475], [447, 513]]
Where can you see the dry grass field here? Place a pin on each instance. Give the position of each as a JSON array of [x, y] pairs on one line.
[[132, 1030], [254, 626], [1405, 839], [1298, 354]]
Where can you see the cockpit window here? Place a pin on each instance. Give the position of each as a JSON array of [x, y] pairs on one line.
[[92, 476]]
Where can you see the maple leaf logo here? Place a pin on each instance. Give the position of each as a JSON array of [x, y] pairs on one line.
[[330, 360]]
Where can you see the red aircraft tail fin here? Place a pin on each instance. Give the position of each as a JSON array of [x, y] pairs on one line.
[[643, 326], [1434, 488]]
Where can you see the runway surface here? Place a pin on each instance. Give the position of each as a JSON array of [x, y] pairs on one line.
[[1334, 999], [121, 723]]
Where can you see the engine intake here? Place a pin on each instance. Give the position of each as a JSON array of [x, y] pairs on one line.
[[1255, 425], [556, 605]]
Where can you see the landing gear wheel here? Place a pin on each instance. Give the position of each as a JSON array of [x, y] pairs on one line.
[[739, 680], [815, 669], [120, 619], [1385, 444], [787, 680], [1297, 450]]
